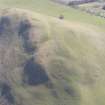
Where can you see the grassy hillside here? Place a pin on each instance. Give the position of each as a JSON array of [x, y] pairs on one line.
[[50, 8], [48, 61]]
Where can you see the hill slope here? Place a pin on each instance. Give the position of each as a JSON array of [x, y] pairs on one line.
[[48, 61], [53, 9]]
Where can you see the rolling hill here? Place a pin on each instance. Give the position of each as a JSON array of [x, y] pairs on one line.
[[48, 61]]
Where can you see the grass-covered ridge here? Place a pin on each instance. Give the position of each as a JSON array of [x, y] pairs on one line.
[[48, 61]]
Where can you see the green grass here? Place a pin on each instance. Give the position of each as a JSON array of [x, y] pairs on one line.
[[49, 8]]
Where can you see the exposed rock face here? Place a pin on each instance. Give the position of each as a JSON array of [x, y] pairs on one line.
[[73, 2]]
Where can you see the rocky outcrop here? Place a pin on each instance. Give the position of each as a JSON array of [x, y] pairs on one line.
[[73, 2]]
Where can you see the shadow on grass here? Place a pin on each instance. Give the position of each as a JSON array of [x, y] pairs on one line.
[[4, 23], [5, 90], [34, 74], [24, 29]]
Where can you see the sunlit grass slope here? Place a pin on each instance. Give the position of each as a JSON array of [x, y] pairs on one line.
[[53, 9]]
